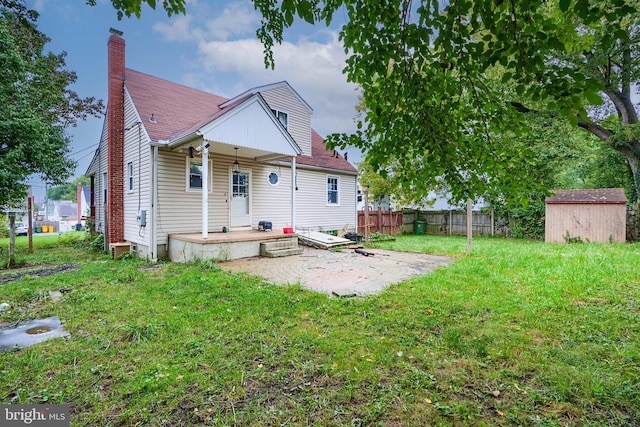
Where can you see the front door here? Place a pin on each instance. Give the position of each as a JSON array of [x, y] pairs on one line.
[[240, 205]]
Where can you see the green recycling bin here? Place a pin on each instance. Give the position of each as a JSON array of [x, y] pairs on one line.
[[420, 227], [38, 229]]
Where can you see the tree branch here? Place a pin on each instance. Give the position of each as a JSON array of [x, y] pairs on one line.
[[602, 133], [624, 106]]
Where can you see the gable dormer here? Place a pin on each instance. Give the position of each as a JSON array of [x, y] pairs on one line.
[[290, 109]]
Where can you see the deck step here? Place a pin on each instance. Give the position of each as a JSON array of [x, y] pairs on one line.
[[280, 248], [283, 252]]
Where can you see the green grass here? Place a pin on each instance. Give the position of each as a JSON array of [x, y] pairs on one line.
[[519, 333]]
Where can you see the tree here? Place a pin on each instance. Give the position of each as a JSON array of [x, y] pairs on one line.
[[35, 105], [134, 7], [67, 191], [434, 77], [567, 158], [428, 75]]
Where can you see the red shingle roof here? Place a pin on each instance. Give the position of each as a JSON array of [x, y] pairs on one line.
[[599, 195], [323, 158], [175, 108], [178, 110]]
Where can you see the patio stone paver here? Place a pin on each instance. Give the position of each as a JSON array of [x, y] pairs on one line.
[[343, 272]]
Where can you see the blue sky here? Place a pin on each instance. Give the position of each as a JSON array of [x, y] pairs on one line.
[[213, 48]]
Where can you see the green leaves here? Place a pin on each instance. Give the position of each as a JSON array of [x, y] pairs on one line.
[[35, 107]]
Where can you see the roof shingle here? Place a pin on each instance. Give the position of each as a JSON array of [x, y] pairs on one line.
[[599, 195], [178, 110]]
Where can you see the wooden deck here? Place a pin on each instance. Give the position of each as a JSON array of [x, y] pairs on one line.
[[221, 246]]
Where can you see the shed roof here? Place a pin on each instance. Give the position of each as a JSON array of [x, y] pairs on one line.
[[599, 195]]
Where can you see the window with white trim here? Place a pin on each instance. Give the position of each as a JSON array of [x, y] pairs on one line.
[[130, 176], [283, 117], [273, 178], [333, 193], [194, 174], [104, 187]]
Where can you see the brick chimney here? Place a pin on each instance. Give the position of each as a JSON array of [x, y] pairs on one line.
[[115, 138]]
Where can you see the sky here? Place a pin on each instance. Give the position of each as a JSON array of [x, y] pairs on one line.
[[213, 47]]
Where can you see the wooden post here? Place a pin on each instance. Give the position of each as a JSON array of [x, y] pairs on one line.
[[12, 239], [30, 222], [366, 214], [469, 227]]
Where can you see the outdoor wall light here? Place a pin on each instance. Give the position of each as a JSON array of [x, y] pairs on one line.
[[236, 165], [191, 152]]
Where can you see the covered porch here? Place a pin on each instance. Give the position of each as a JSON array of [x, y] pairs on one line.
[[229, 246]]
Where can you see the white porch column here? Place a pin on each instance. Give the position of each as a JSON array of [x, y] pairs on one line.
[[205, 188], [293, 193]]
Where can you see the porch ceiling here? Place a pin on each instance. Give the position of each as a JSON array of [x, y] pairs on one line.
[[226, 149]]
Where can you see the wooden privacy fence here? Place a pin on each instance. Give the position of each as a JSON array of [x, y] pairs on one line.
[[385, 222], [449, 222], [633, 222]]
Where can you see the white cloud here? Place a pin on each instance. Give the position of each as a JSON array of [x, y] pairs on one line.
[[178, 29], [236, 19], [313, 69], [230, 60]]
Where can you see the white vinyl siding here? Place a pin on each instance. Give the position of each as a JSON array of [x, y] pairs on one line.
[[180, 211], [137, 152], [312, 210], [98, 169], [298, 116]]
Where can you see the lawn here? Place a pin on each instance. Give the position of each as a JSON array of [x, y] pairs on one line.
[[519, 333]]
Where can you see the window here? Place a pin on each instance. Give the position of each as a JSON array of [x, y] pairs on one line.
[[273, 178], [130, 176], [195, 173], [104, 187], [283, 117], [332, 190]]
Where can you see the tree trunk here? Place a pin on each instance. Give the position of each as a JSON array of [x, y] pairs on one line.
[[630, 149]]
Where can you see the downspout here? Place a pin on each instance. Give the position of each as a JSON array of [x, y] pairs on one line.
[[205, 188], [154, 200], [293, 192]]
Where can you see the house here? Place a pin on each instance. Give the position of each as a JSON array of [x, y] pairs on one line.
[[598, 215], [175, 161]]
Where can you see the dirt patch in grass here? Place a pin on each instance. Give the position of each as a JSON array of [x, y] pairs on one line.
[[36, 271]]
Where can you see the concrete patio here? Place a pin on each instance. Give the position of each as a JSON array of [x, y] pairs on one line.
[[342, 273]]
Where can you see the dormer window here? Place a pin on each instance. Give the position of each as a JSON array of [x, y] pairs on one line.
[[282, 116]]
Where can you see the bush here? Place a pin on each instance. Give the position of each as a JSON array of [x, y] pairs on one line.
[[97, 244], [523, 222], [4, 227]]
